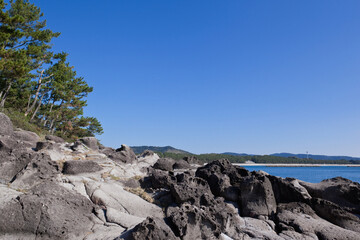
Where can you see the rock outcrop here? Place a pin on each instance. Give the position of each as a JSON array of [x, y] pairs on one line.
[[6, 126], [56, 190]]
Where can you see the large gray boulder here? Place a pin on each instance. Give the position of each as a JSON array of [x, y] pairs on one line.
[[335, 214], [78, 166], [341, 191], [91, 142], [150, 228], [181, 164], [26, 136], [122, 155], [54, 138], [11, 163], [257, 197], [6, 126], [288, 190], [47, 211], [165, 164], [190, 189], [301, 218], [40, 168]]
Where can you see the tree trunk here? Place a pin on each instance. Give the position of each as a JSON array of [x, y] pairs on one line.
[[36, 95], [38, 107], [2, 103]]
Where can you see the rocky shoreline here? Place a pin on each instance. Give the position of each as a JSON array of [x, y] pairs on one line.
[[50, 189]]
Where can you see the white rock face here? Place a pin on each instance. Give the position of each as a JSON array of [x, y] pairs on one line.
[[114, 196]]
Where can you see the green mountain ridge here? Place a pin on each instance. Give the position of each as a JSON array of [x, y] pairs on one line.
[[169, 151], [166, 149]]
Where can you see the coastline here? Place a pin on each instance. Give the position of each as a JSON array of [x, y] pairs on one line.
[[294, 165]]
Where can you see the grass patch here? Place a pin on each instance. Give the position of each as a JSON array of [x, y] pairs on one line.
[[141, 193]]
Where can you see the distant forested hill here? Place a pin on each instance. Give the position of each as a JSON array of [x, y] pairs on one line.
[[317, 157], [175, 153], [166, 149]]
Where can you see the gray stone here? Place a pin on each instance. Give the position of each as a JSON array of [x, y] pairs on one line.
[[301, 218], [6, 126], [90, 142], [11, 163], [26, 136], [80, 166], [54, 138], [257, 197], [40, 168], [150, 228], [288, 190], [123, 155], [165, 164], [341, 191], [47, 211], [181, 164], [335, 214]]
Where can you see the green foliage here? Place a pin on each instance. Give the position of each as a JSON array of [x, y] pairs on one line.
[[35, 81], [20, 121]]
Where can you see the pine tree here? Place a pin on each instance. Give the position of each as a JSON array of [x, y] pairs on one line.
[[24, 44]]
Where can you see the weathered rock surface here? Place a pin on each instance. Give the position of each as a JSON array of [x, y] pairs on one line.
[[338, 190], [90, 142], [165, 164], [76, 167], [12, 162], [301, 218], [48, 211], [181, 164], [54, 138], [6, 126], [124, 154], [86, 191], [151, 228], [40, 168], [26, 136]]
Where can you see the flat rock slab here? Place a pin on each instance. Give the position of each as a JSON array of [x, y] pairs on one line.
[[123, 219], [80, 166], [114, 196]]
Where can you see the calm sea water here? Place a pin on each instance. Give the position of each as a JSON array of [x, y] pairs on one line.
[[311, 174]]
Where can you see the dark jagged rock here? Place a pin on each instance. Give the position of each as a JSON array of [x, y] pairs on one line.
[[124, 154], [341, 191], [7, 144], [162, 179], [78, 166], [192, 222], [181, 164], [301, 218], [223, 178], [47, 145], [151, 228], [6, 126], [189, 189], [335, 214], [11, 163], [191, 160], [147, 153], [54, 138], [165, 164], [257, 197], [39, 169], [90, 142], [47, 211], [288, 190]]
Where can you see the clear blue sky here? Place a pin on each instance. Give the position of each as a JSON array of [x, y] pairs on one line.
[[214, 76]]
